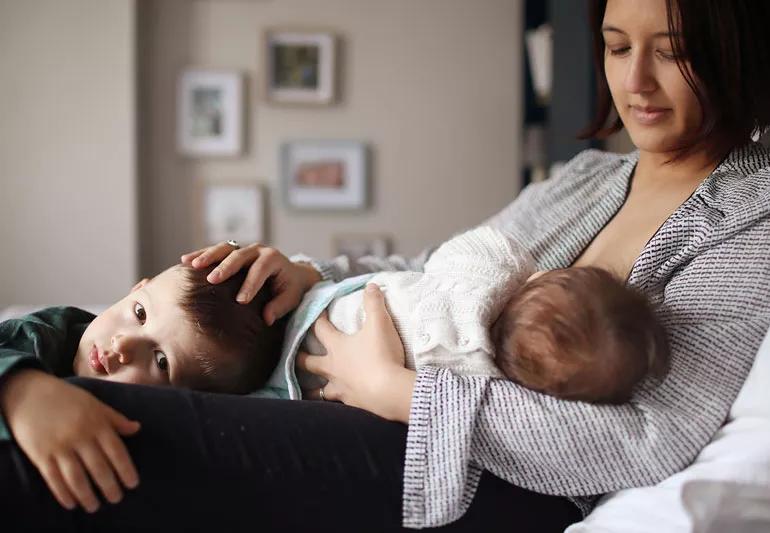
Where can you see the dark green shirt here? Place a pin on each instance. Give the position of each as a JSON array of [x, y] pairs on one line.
[[46, 339]]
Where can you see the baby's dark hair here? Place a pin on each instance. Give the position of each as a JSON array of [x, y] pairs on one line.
[[248, 349], [580, 334]]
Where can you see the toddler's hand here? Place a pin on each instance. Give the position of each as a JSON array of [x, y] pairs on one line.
[[69, 435]]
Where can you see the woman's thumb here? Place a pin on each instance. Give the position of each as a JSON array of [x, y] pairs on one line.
[[374, 303]]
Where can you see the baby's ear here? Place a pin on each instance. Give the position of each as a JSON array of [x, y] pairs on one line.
[[140, 284]]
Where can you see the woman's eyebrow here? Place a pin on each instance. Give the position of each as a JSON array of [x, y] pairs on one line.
[[614, 29]]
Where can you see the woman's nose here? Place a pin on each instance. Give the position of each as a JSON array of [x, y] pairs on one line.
[[640, 77]]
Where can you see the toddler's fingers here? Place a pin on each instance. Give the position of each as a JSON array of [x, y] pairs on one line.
[[122, 425], [56, 484], [78, 483], [118, 456], [100, 471]]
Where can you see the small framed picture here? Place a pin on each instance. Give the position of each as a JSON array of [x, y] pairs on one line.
[[233, 209], [210, 113], [300, 67], [356, 245], [325, 174]]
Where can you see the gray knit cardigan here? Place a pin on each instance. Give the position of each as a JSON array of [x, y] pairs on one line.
[[708, 267]]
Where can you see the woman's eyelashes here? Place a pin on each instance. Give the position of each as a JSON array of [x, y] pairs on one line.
[[620, 51]]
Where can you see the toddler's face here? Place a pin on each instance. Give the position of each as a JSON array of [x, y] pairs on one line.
[[144, 338]]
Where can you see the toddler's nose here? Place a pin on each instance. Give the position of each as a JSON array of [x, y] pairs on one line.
[[123, 346]]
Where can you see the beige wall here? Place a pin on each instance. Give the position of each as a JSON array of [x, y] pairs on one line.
[[433, 85], [67, 151]]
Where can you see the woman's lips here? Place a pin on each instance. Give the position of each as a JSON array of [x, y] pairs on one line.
[[93, 360], [649, 115]]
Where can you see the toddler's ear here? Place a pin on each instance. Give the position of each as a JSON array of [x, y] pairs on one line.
[[140, 284]]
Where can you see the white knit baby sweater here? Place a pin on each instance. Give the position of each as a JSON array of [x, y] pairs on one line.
[[443, 314]]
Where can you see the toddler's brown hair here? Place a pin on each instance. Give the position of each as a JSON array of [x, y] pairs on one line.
[[249, 348]]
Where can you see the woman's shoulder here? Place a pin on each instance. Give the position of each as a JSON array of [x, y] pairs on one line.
[[741, 183]]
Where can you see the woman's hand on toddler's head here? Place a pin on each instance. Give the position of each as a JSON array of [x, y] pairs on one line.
[[70, 436], [289, 281]]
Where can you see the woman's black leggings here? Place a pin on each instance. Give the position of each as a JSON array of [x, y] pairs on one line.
[[221, 463]]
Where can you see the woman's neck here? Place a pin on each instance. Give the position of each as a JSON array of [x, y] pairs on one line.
[[654, 168]]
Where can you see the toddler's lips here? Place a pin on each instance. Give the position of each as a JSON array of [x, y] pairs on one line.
[[93, 360]]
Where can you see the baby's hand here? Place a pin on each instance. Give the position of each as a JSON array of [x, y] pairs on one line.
[[69, 435]]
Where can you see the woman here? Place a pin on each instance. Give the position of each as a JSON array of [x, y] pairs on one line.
[[686, 219]]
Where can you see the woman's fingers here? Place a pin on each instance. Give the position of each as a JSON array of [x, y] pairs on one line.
[[56, 484], [329, 394], [261, 269], [187, 258], [100, 471], [326, 332], [315, 364], [219, 252], [75, 477], [231, 262]]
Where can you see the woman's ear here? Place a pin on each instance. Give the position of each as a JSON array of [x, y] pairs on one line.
[[141, 284]]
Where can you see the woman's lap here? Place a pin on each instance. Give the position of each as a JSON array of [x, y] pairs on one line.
[[212, 462]]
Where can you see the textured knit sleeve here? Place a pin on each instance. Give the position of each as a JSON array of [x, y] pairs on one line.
[[716, 309]]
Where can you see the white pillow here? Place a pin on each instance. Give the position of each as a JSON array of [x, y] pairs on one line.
[[726, 489]]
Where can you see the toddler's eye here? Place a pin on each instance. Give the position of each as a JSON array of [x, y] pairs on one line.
[[162, 361], [139, 312]]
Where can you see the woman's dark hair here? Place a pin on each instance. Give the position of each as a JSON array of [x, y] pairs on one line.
[[727, 44], [248, 349]]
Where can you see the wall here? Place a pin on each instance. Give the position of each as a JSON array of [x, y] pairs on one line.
[[433, 85], [67, 151]]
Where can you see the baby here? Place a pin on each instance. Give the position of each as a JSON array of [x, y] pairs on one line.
[[480, 309]]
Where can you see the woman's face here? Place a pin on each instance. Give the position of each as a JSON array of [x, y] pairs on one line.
[[652, 97]]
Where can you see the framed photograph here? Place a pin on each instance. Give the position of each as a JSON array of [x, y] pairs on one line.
[[300, 67], [210, 113], [325, 175], [356, 245], [233, 209]]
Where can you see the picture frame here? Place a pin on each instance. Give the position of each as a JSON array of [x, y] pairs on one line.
[[210, 113], [231, 209], [326, 175], [356, 245], [300, 67]]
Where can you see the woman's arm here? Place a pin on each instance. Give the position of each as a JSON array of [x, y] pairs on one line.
[[716, 310]]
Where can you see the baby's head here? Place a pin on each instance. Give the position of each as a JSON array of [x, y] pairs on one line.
[[580, 334], [178, 329]]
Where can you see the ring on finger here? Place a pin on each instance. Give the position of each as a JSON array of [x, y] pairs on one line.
[[234, 244], [321, 393]]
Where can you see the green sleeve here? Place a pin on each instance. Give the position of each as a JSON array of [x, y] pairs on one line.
[[46, 340]]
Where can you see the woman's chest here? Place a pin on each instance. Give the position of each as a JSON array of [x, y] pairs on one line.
[[617, 246]]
